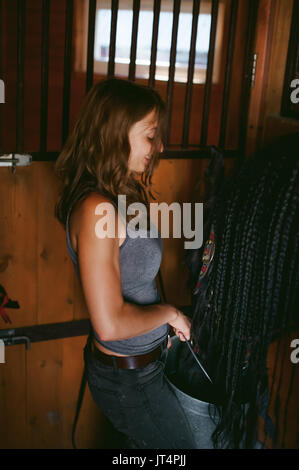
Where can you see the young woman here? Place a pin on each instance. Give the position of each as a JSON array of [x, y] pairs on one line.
[[113, 150], [247, 293]]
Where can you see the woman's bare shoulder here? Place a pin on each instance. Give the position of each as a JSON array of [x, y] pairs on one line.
[[94, 198], [90, 211], [88, 205], [83, 215]]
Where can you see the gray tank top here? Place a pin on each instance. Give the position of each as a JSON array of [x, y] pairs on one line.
[[140, 259]]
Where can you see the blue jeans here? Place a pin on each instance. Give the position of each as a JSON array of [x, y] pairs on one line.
[[139, 403]]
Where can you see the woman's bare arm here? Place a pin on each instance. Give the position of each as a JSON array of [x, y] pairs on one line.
[[112, 317]]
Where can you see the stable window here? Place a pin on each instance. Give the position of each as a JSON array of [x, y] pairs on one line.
[[144, 39], [197, 115]]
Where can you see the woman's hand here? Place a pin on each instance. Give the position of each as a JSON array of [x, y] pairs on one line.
[[181, 324]]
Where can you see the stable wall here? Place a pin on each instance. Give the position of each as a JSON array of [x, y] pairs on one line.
[[38, 387]]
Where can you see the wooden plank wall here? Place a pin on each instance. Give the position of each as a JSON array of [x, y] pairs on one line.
[[265, 122], [38, 387]]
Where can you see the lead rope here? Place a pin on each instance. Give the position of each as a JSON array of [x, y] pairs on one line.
[[161, 286], [80, 395]]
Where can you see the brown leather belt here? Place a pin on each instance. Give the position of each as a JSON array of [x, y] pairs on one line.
[[130, 362]]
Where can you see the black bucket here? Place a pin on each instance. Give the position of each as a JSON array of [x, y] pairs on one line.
[[185, 378], [197, 396]]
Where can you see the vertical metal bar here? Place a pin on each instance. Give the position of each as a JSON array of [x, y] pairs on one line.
[[246, 89], [132, 67], [67, 68], [186, 121], [20, 75], [176, 13], [157, 8], [114, 12], [209, 76], [1, 45], [90, 44], [44, 75], [228, 71]]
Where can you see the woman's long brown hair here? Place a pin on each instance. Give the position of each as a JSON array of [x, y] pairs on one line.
[[95, 156]]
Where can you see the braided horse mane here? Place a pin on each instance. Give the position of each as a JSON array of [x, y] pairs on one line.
[[249, 294]]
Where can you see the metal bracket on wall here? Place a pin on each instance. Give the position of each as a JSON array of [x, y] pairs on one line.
[[15, 159], [9, 338]]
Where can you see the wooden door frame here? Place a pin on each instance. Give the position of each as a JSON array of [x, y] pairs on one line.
[[271, 46]]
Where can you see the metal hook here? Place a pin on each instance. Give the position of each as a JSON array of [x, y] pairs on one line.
[[13, 160]]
